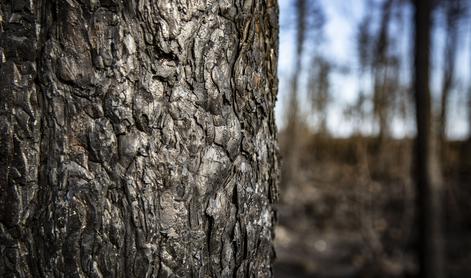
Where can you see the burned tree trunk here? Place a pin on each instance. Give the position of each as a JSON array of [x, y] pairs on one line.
[[428, 178], [137, 138]]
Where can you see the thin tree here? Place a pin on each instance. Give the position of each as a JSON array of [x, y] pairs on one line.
[[428, 180], [318, 85], [319, 90], [293, 119], [381, 68], [453, 14]]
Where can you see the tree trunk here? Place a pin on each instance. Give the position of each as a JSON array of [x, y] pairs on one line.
[[137, 138], [290, 142], [381, 98], [428, 179], [451, 42]]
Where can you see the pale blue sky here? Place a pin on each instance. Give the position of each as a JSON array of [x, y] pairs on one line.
[[339, 45]]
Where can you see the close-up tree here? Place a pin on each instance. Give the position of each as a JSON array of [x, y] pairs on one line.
[[138, 138]]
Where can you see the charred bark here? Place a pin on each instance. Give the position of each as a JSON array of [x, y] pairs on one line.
[[137, 138]]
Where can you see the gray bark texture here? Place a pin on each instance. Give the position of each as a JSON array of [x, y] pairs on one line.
[[137, 138]]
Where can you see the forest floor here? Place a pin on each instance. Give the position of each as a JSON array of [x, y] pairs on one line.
[[342, 219]]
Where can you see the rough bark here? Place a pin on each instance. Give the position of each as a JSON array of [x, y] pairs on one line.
[[137, 138], [428, 178]]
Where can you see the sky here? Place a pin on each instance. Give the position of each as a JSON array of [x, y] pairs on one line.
[[339, 45]]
